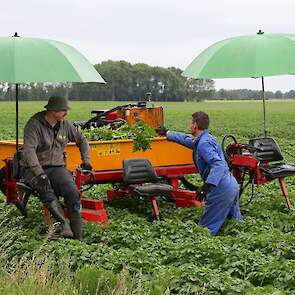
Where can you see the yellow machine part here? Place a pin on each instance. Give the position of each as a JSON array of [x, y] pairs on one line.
[[108, 155], [152, 116]]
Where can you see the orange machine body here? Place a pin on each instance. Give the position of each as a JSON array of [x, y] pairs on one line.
[[152, 116]]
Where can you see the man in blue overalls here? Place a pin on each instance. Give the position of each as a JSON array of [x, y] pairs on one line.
[[220, 189]]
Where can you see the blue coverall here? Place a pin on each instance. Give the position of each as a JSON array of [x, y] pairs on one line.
[[222, 200]]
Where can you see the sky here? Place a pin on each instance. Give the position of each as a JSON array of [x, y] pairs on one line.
[[156, 32]]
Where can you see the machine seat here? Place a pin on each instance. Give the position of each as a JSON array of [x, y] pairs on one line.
[[142, 179], [267, 149], [158, 189], [138, 171], [279, 170]]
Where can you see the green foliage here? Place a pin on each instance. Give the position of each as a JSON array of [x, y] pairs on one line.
[[175, 256], [140, 133], [91, 280], [124, 82], [28, 276]]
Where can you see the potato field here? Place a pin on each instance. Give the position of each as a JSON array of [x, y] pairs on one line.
[[175, 256]]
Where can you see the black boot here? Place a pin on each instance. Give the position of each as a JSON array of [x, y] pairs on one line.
[[57, 212], [76, 225]]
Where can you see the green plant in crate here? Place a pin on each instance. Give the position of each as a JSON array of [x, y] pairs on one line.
[[140, 133]]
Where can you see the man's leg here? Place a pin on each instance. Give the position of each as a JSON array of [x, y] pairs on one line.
[[48, 198], [64, 185], [235, 209], [218, 206]]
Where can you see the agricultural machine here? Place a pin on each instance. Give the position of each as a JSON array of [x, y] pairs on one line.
[[147, 175], [251, 163], [130, 113]]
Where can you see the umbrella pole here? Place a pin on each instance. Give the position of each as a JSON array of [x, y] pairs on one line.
[[16, 112], [264, 112]]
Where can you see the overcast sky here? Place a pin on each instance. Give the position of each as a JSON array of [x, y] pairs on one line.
[[157, 32]]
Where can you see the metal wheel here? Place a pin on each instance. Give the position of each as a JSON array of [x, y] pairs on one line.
[[227, 150]]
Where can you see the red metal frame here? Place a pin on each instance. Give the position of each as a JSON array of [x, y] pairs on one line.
[[9, 183], [182, 198], [246, 161], [93, 210]]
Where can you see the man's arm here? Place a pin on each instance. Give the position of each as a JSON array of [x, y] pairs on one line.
[[31, 141], [81, 141], [180, 138]]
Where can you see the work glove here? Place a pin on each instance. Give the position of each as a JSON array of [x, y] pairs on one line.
[[86, 166], [202, 191], [162, 130], [41, 183]]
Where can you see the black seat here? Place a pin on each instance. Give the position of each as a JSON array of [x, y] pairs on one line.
[[157, 189], [279, 170], [141, 176], [267, 150], [139, 171]]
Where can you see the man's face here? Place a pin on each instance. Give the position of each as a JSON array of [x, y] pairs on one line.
[[59, 115]]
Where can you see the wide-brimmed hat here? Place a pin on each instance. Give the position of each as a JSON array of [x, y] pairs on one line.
[[57, 103]]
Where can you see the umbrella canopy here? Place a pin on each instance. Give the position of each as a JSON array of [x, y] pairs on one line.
[[257, 55], [25, 60], [253, 56]]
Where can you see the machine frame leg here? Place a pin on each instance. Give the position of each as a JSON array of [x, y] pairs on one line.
[[155, 208], [285, 192]]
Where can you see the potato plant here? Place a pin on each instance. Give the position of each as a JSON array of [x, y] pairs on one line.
[[175, 256]]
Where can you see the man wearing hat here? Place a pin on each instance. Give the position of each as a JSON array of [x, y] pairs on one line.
[[46, 135]]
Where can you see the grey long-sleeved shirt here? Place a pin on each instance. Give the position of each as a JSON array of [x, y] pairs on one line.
[[45, 146]]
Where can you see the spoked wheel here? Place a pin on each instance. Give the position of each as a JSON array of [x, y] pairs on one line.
[[228, 150]]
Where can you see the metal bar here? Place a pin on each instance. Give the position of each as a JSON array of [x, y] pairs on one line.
[[185, 199], [172, 180], [285, 192], [113, 176], [264, 112], [155, 208], [16, 115]]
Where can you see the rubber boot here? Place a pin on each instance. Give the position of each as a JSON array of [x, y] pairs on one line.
[[57, 212], [76, 225]]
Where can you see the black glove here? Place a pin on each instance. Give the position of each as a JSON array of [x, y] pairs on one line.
[[202, 191], [41, 183], [86, 166], [162, 130]]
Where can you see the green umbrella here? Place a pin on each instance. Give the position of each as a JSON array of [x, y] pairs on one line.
[[253, 56], [25, 60]]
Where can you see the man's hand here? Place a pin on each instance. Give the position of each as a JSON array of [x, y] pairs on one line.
[[86, 166], [162, 130], [202, 191], [41, 182]]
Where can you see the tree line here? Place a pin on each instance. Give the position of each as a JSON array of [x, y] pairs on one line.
[[239, 94], [132, 83]]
